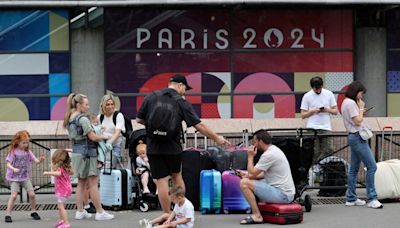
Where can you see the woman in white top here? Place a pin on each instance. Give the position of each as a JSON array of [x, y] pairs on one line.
[[107, 110], [353, 108]]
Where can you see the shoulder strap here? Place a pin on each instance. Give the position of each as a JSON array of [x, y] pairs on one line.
[[115, 117], [77, 117], [101, 118]]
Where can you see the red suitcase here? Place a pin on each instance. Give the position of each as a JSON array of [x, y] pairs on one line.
[[281, 213]]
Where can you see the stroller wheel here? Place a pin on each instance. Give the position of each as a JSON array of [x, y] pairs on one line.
[[307, 203], [144, 207]]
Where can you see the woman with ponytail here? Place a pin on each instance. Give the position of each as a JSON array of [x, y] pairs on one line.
[[84, 155]]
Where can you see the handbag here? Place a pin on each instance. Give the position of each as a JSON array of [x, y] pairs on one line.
[[365, 133]]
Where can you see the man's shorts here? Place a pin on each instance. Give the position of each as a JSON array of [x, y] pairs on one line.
[[27, 185], [163, 165], [271, 194]]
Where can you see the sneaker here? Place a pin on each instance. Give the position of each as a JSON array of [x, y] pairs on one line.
[[58, 223], [375, 204], [104, 216], [8, 219], [64, 226], [35, 216], [358, 202], [82, 215], [90, 208], [143, 222]]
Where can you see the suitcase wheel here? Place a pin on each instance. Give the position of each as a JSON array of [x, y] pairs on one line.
[[248, 211], [144, 206], [307, 203], [226, 211], [203, 211]]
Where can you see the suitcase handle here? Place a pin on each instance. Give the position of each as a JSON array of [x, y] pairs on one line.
[[388, 129]]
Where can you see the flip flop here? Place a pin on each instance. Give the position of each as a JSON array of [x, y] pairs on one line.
[[249, 221]]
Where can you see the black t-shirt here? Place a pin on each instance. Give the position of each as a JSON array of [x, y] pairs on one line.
[[187, 114]]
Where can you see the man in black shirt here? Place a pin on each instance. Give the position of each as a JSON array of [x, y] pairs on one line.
[[165, 157]]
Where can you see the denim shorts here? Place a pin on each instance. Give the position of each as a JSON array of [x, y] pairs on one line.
[[271, 194]]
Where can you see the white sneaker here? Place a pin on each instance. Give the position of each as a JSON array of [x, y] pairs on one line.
[[145, 223], [358, 202], [375, 204], [82, 215], [104, 216]]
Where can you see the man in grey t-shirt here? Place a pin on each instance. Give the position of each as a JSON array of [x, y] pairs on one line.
[[270, 179]]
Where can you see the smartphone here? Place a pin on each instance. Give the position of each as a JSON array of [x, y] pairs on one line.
[[322, 108], [236, 172], [369, 109]]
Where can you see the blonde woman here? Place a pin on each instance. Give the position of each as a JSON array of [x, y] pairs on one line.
[[84, 155], [111, 128]]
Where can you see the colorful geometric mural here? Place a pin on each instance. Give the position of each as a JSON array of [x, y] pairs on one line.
[[393, 63], [241, 64], [34, 61]]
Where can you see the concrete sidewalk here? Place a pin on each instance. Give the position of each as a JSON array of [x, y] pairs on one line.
[[322, 215], [327, 216]]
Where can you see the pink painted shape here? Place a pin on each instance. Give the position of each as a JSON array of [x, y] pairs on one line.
[[263, 82], [194, 80], [58, 111]]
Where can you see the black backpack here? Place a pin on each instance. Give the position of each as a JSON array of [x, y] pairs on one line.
[[164, 123], [128, 126], [334, 175]]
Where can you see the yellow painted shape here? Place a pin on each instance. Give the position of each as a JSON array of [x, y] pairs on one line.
[[13, 109], [302, 80], [59, 33], [393, 105], [224, 99], [263, 107]]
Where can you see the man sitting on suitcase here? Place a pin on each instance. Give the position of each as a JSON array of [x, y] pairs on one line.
[[270, 180]]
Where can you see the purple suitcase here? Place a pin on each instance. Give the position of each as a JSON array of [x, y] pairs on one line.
[[232, 196]]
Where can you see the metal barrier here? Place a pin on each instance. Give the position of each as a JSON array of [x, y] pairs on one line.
[[43, 146]]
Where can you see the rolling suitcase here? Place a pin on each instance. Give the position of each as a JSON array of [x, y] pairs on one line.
[[210, 191], [281, 213], [232, 196], [116, 188]]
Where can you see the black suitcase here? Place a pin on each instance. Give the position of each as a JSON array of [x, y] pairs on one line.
[[193, 161]]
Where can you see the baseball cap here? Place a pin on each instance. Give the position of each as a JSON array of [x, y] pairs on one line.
[[180, 79]]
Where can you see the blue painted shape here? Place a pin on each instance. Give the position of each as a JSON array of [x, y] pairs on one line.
[[393, 81], [59, 62], [58, 84], [39, 108], [24, 30]]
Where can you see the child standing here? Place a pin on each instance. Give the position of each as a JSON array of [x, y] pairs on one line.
[[61, 170], [181, 217], [143, 166], [18, 173]]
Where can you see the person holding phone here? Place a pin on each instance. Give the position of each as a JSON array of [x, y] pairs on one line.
[[317, 105], [353, 110], [270, 179]]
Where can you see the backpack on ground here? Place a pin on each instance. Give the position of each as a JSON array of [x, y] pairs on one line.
[[127, 123], [164, 123], [334, 175]]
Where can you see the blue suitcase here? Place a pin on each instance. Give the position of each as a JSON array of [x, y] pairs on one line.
[[116, 189], [210, 191]]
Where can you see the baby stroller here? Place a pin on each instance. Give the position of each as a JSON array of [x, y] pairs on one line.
[[143, 201], [299, 150]]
